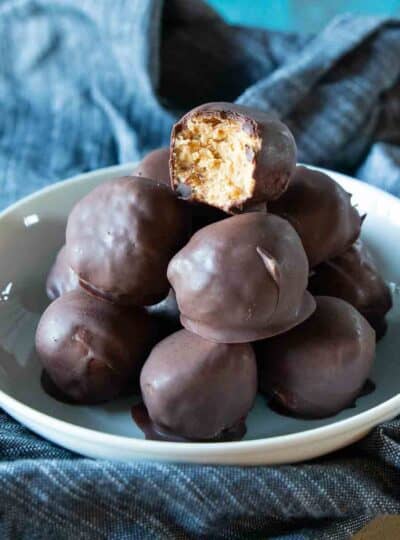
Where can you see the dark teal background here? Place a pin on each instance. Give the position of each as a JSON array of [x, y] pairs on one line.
[[298, 15]]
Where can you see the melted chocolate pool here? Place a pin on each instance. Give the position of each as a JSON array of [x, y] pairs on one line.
[[155, 433]]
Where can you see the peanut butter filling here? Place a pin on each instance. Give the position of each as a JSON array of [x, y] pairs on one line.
[[215, 158]]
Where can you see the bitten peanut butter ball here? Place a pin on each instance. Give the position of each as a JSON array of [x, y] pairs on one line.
[[196, 389], [155, 165], [121, 236], [321, 212], [61, 278], [318, 368], [354, 277], [242, 279], [230, 156], [91, 349]]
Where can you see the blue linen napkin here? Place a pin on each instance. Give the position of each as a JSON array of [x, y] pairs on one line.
[[90, 83]]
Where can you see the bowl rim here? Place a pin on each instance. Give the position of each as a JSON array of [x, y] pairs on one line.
[[366, 419]]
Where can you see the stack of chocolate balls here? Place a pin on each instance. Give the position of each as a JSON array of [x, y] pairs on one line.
[[216, 269]]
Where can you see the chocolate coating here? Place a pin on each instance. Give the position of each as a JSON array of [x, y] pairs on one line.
[[155, 165], [93, 350], [318, 368], [121, 236], [166, 315], [61, 277], [321, 212], [203, 215], [153, 432], [354, 277], [272, 159], [242, 279], [197, 389]]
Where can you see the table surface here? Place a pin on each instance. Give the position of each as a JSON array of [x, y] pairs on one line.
[[298, 15]]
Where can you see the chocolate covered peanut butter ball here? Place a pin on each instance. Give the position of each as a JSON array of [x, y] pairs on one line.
[[230, 156], [242, 279], [321, 212], [92, 349], [61, 278], [121, 236], [354, 277], [197, 389], [318, 368]]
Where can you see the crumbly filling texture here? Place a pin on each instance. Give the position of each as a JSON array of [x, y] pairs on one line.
[[214, 156]]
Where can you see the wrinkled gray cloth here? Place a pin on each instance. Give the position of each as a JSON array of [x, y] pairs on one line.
[[90, 83]]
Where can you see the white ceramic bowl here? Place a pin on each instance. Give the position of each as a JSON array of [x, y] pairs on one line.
[[32, 230]]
